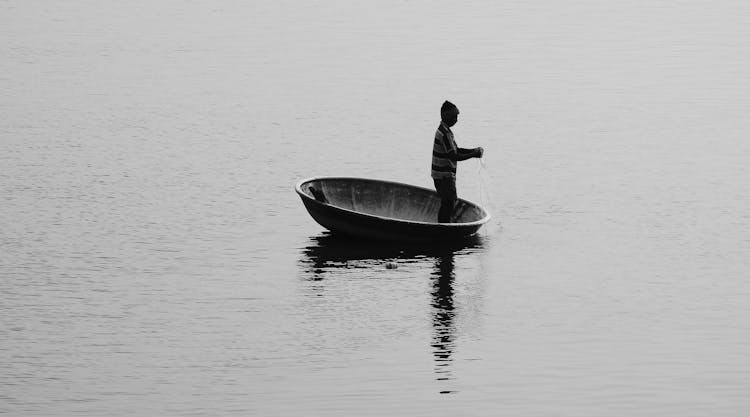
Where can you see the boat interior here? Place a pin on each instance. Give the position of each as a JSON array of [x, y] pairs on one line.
[[387, 199]]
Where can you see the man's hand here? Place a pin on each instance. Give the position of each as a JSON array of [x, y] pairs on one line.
[[479, 152]]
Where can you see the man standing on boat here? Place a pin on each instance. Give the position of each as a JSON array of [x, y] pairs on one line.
[[445, 155]]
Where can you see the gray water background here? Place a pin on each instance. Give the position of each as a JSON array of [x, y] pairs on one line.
[[154, 259]]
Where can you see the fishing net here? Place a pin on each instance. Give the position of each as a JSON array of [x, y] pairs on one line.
[[486, 200]]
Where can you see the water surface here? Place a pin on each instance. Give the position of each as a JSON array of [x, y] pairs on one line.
[[154, 259]]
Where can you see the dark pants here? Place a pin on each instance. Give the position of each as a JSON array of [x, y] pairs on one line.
[[446, 189]]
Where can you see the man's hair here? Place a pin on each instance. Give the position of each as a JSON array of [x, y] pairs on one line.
[[447, 108]]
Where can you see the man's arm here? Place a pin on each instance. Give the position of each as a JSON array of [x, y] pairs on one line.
[[464, 154]]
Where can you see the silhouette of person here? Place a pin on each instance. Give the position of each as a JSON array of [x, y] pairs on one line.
[[445, 155]]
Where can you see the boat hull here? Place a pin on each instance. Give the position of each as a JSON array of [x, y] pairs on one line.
[[384, 210]]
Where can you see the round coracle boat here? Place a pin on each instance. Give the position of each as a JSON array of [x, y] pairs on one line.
[[386, 210]]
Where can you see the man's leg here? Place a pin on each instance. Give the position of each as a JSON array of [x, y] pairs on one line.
[[446, 208], [446, 188]]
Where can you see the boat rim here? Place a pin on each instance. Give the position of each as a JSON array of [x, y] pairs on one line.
[[298, 189]]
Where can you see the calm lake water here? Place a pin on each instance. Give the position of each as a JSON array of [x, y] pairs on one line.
[[155, 260]]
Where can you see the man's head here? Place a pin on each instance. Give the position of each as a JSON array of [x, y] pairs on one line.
[[449, 113]]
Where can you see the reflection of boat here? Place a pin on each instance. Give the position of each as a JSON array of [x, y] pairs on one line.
[[331, 248], [328, 252], [386, 210]]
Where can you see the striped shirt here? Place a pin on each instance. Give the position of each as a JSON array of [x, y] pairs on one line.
[[442, 167]]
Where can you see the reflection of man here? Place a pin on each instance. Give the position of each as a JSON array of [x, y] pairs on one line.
[[442, 302], [445, 155]]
